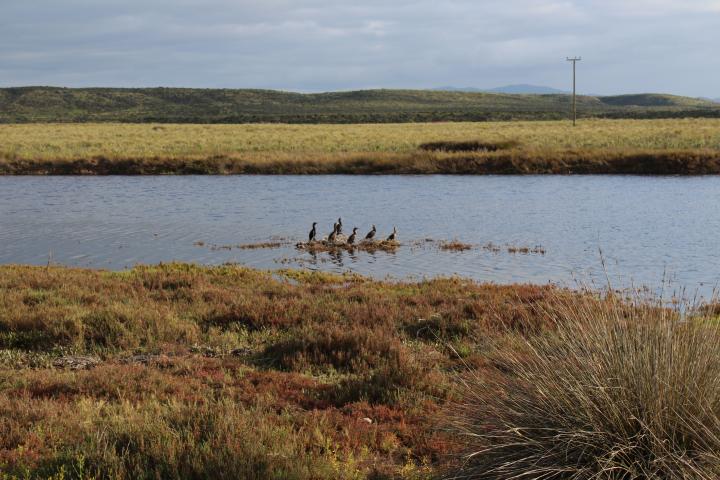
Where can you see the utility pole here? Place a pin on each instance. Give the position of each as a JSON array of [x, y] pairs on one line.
[[574, 60]]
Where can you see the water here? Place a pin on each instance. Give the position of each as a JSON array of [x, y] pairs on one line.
[[649, 228]]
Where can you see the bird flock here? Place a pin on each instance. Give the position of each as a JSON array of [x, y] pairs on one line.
[[337, 237]]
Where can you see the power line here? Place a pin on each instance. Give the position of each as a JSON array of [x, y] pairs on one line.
[[574, 61]]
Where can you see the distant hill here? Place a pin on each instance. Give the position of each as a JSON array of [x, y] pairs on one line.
[[655, 100], [516, 89], [186, 105], [527, 89]]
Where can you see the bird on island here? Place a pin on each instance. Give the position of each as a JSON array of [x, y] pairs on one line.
[[392, 236], [351, 238], [339, 226], [313, 233], [371, 233], [331, 237]]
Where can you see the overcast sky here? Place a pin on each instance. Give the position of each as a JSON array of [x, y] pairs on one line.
[[627, 46]]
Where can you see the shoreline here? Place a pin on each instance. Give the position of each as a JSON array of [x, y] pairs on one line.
[[512, 162]]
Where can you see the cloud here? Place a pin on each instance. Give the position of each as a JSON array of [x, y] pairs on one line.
[[311, 45]]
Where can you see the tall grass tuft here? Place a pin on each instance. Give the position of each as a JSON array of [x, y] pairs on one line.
[[618, 391]]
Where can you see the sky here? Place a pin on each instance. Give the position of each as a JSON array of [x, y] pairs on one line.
[[627, 46]]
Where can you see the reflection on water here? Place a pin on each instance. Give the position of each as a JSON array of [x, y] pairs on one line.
[[649, 228]]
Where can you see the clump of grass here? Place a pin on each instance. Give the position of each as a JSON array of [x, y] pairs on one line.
[[526, 250], [491, 247], [455, 246], [354, 349], [515, 249], [616, 392], [364, 246], [255, 246], [469, 146]]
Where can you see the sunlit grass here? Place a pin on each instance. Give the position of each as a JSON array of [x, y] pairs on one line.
[[72, 141], [595, 146]]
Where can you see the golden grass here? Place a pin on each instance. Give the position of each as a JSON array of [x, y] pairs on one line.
[[365, 148]]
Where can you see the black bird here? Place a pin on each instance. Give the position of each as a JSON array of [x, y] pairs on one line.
[[331, 237], [392, 236], [351, 238], [313, 232], [339, 226], [371, 234]]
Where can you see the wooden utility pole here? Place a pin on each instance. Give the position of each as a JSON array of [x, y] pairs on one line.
[[574, 60]]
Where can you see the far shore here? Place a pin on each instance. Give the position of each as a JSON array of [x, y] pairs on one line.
[[679, 162], [624, 147]]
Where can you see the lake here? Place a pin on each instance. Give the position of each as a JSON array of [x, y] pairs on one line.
[[651, 230]]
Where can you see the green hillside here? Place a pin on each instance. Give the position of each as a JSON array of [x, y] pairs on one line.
[[184, 105]]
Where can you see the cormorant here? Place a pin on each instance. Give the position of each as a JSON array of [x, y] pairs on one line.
[[331, 237], [351, 238], [313, 232], [371, 234], [392, 236]]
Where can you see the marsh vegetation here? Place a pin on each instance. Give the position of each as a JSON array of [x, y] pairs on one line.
[[229, 372]]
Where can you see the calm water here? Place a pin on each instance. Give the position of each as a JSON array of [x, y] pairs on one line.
[[649, 228]]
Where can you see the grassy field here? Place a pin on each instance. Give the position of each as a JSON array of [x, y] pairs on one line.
[[682, 146], [228, 372], [185, 105]]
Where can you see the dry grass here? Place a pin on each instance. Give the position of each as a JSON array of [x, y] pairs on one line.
[[454, 246], [617, 392], [596, 146]]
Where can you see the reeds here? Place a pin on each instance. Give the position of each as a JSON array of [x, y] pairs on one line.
[[513, 162], [618, 391]]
